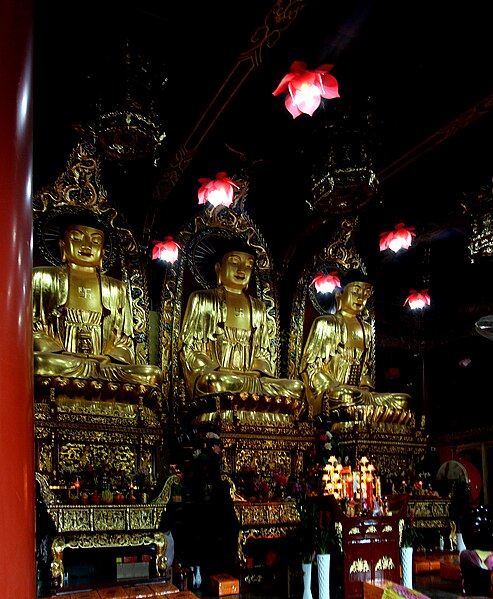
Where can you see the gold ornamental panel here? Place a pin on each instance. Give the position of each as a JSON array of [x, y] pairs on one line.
[[429, 512], [359, 565], [267, 514], [114, 519], [103, 518], [385, 563]]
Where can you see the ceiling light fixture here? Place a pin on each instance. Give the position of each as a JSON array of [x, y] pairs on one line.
[[166, 250], [218, 191], [326, 283], [305, 89], [400, 238], [418, 300]]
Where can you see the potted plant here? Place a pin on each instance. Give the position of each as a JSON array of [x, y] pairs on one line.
[[307, 536], [328, 543], [410, 537], [460, 509]]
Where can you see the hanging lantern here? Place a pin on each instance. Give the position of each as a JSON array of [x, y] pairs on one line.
[[166, 250], [400, 238], [326, 283], [418, 300], [305, 89], [218, 191]]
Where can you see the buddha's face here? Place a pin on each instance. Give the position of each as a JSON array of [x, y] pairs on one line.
[[355, 296], [235, 270], [82, 246]]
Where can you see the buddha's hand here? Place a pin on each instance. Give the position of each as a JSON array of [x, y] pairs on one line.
[[322, 382], [97, 357], [45, 343]]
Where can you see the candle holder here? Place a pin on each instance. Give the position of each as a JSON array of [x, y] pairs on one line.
[[358, 491]]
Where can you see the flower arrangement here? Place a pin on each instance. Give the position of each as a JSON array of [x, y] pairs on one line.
[[307, 530], [328, 536], [324, 448], [410, 482], [87, 485], [410, 536], [273, 483]]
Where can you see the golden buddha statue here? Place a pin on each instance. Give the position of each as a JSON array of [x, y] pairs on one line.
[[224, 342], [82, 320], [336, 364]]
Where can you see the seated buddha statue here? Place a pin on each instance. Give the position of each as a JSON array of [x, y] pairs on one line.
[[82, 320], [224, 341], [336, 364]]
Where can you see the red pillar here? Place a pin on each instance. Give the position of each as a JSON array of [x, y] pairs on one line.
[[17, 488]]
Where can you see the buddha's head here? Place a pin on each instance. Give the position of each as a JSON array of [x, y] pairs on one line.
[[82, 246], [234, 265], [235, 270], [357, 291]]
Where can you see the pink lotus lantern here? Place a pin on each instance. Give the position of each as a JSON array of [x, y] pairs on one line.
[[400, 238], [166, 250], [218, 191], [418, 300], [305, 89], [326, 283]]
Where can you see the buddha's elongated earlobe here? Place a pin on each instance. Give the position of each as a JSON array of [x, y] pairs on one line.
[[338, 296], [61, 245], [217, 268]]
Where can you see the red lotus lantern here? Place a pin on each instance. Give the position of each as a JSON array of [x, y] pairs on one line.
[[305, 89], [326, 283], [400, 238], [217, 191], [166, 250], [418, 300]]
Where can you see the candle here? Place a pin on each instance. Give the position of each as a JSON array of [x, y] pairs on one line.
[[350, 488], [369, 492], [378, 487]]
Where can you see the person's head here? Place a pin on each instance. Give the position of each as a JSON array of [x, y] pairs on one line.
[[82, 245], [356, 293]]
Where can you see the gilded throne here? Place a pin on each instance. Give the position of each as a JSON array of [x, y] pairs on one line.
[[98, 400], [332, 349], [220, 349]]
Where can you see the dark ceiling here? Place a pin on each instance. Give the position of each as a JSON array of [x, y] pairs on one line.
[[416, 89]]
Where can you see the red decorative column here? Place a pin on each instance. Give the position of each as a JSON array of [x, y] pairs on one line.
[[17, 487]]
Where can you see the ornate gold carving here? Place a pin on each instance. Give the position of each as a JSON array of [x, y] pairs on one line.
[[358, 566], [371, 529], [253, 578], [385, 563], [388, 528], [392, 448], [429, 512], [94, 541], [266, 514], [354, 531]]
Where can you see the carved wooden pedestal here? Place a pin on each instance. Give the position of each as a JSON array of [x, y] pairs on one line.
[[97, 526], [370, 548]]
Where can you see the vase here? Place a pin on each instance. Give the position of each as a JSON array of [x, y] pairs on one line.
[[307, 580], [460, 543], [323, 564], [407, 566], [197, 578]]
